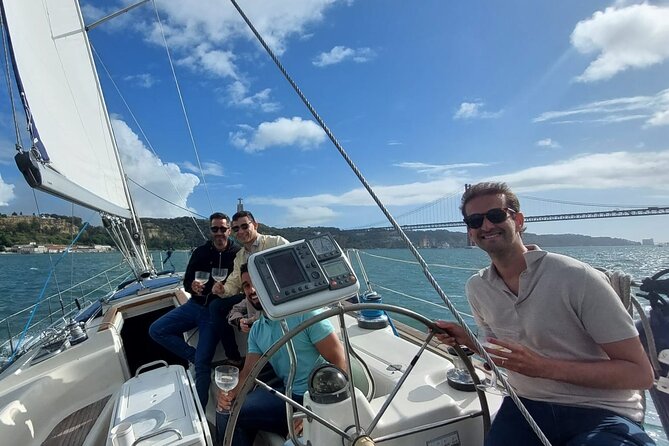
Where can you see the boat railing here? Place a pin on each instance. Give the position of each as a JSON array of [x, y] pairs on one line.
[[52, 313]]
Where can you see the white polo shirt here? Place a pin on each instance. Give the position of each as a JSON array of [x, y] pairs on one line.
[[563, 310]]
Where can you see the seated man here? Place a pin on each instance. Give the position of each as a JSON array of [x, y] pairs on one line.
[[574, 356], [261, 409], [169, 329]]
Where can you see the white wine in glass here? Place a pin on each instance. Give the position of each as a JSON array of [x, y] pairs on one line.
[[219, 274], [226, 377], [201, 277]]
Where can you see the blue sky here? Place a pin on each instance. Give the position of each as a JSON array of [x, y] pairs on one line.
[[563, 100]]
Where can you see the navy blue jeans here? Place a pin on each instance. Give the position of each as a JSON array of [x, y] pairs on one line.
[[168, 331], [261, 411], [218, 310], [564, 426]]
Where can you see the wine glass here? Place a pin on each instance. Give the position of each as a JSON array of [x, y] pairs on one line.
[[226, 377], [219, 274], [201, 277], [483, 335]]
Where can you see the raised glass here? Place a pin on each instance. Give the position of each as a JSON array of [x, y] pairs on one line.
[[227, 378]]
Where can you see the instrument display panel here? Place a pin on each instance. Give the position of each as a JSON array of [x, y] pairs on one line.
[[302, 275]]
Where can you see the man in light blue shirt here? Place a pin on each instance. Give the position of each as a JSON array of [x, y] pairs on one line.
[[313, 346]]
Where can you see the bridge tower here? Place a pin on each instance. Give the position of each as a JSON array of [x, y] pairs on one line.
[[470, 242]]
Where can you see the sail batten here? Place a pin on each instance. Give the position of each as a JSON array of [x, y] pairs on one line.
[[64, 105]]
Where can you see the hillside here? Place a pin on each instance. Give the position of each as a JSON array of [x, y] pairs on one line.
[[181, 233]]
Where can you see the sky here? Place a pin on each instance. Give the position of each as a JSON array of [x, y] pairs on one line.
[[564, 100]]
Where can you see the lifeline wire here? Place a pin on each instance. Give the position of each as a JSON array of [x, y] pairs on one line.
[[41, 294]]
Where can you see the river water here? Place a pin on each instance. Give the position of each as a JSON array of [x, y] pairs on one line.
[[391, 272]]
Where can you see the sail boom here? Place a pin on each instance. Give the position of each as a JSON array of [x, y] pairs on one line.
[[42, 177]]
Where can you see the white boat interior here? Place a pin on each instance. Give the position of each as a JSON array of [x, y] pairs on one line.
[[71, 397]]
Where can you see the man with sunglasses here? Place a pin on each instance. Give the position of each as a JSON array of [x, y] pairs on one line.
[[575, 358], [245, 229], [202, 310]]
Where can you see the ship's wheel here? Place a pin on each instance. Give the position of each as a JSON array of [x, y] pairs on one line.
[[355, 434]]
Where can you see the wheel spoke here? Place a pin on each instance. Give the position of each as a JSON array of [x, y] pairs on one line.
[[351, 385], [403, 378], [291, 404]]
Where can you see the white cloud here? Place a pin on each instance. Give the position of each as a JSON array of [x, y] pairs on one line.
[[549, 143], [281, 132], [635, 36], [239, 95], [340, 54], [471, 110], [144, 80], [208, 167], [437, 169], [209, 37], [204, 57], [6, 192], [654, 110], [189, 23], [394, 142], [310, 215], [636, 170], [596, 171], [146, 169], [411, 194], [659, 118]]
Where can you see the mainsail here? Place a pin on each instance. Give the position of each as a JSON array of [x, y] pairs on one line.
[[72, 142], [72, 153]]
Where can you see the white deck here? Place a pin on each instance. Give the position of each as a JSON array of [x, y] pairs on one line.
[[35, 398]]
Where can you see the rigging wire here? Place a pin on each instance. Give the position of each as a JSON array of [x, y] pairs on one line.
[[393, 222], [183, 105], [55, 276], [420, 299], [10, 90], [41, 295], [438, 265], [170, 202], [149, 145]]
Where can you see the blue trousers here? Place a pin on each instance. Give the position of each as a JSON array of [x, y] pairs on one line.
[[168, 331], [261, 411], [564, 426]]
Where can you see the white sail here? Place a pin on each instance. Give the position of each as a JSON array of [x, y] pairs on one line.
[[64, 104]]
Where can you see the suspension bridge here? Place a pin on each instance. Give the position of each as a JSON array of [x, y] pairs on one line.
[[445, 212]]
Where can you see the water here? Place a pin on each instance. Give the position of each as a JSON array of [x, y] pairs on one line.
[[400, 283]]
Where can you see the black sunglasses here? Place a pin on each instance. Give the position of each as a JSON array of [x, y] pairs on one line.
[[496, 215], [215, 229], [243, 226]]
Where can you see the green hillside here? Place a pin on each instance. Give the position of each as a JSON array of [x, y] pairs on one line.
[[182, 233]]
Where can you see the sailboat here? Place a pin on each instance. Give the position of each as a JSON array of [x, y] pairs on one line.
[[96, 378]]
